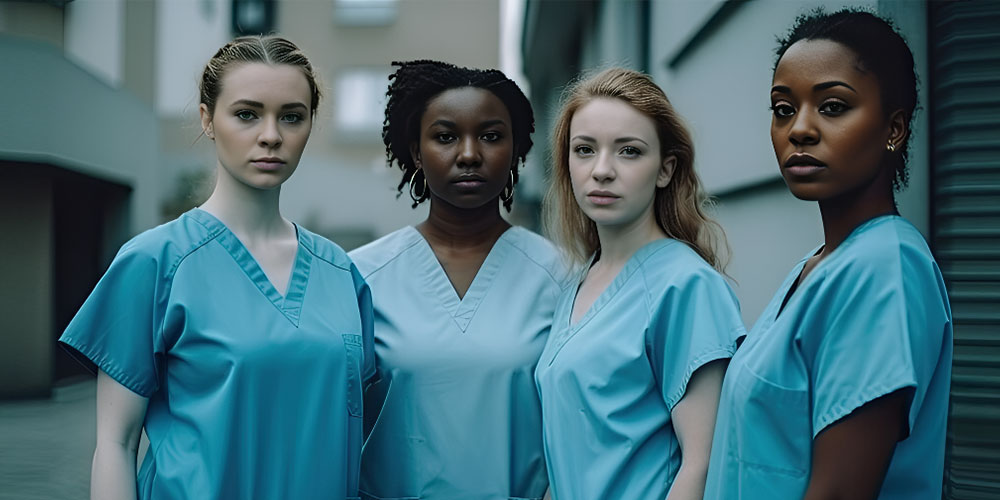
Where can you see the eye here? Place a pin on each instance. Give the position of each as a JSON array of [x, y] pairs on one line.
[[246, 115], [630, 152], [444, 137], [833, 108], [782, 109], [492, 136], [583, 150], [292, 118]]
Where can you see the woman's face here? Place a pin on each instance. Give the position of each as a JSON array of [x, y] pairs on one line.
[[465, 147], [828, 127], [614, 162], [261, 122]]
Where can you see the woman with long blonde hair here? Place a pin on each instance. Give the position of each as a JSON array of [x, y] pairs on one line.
[[631, 374]]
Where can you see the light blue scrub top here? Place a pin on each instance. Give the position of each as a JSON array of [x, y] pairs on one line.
[[609, 382], [871, 318], [251, 394], [460, 417]]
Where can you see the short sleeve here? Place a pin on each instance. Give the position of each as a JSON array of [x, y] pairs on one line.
[[117, 328], [873, 336], [696, 321], [367, 312]]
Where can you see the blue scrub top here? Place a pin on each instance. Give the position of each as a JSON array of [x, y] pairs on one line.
[[460, 416], [609, 382], [251, 394], [871, 318]]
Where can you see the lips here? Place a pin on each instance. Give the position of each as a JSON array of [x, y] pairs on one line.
[[601, 197], [801, 164], [469, 181], [268, 163]]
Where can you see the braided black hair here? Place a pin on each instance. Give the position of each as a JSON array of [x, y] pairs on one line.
[[880, 49], [415, 83]]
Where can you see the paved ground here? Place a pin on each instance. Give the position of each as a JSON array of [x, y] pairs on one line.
[[46, 445]]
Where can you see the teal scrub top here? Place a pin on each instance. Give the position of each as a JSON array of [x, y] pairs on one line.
[[460, 416], [609, 382], [251, 394], [871, 318]]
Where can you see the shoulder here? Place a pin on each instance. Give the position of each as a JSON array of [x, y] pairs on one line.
[[885, 246], [537, 251], [168, 244], [674, 264], [375, 255], [324, 249]]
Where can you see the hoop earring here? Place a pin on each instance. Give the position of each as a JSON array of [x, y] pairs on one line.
[[423, 192], [508, 192], [890, 147]]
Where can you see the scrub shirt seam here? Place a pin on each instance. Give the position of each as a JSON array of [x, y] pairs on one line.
[[102, 360], [857, 400], [390, 260], [534, 261], [716, 352]]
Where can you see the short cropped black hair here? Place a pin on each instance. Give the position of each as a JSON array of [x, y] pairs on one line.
[[415, 83], [881, 50]]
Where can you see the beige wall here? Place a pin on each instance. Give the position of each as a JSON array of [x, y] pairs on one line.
[[26, 297]]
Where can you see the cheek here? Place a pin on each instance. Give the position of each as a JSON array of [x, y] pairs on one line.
[[578, 174]]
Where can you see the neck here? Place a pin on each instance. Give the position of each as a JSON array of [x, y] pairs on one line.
[[843, 214], [463, 227], [251, 213], [620, 242]]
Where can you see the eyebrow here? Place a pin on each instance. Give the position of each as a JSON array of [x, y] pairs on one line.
[[819, 86], [485, 124], [619, 140], [256, 104]]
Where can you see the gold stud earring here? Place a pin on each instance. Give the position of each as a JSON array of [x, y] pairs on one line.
[[890, 147]]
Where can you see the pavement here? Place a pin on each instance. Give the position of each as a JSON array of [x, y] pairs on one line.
[[46, 446]]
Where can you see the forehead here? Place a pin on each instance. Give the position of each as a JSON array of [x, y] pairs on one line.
[[605, 115], [262, 82], [820, 61], [466, 104]]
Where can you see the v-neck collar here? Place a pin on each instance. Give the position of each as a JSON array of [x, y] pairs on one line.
[[788, 295], [631, 265], [290, 305], [461, 309], [567, 329]]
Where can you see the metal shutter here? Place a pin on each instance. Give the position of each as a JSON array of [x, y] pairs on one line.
[[965, 125]]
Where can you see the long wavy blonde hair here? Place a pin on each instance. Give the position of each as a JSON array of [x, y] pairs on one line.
[[679, 207]]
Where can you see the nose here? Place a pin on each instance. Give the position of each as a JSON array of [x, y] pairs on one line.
[[270, 134], [469, 154], [803, 129], [604, 168]]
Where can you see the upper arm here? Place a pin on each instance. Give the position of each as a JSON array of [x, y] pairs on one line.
[[851, 456], [694, 415], [120, 413]]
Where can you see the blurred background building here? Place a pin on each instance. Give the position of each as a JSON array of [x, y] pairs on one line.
[[715, 59], [99, 140]]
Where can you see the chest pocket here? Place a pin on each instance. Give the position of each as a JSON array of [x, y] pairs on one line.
[[354, 356], [774, 441]]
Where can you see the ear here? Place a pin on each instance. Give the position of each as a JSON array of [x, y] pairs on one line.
[[899, 128], [206, 121], [666, 171], [415, 154]]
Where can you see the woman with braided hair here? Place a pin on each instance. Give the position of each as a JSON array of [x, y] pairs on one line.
[[463, 301]]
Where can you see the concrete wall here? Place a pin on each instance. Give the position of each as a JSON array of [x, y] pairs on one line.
[[26, 297], [76, 121]]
